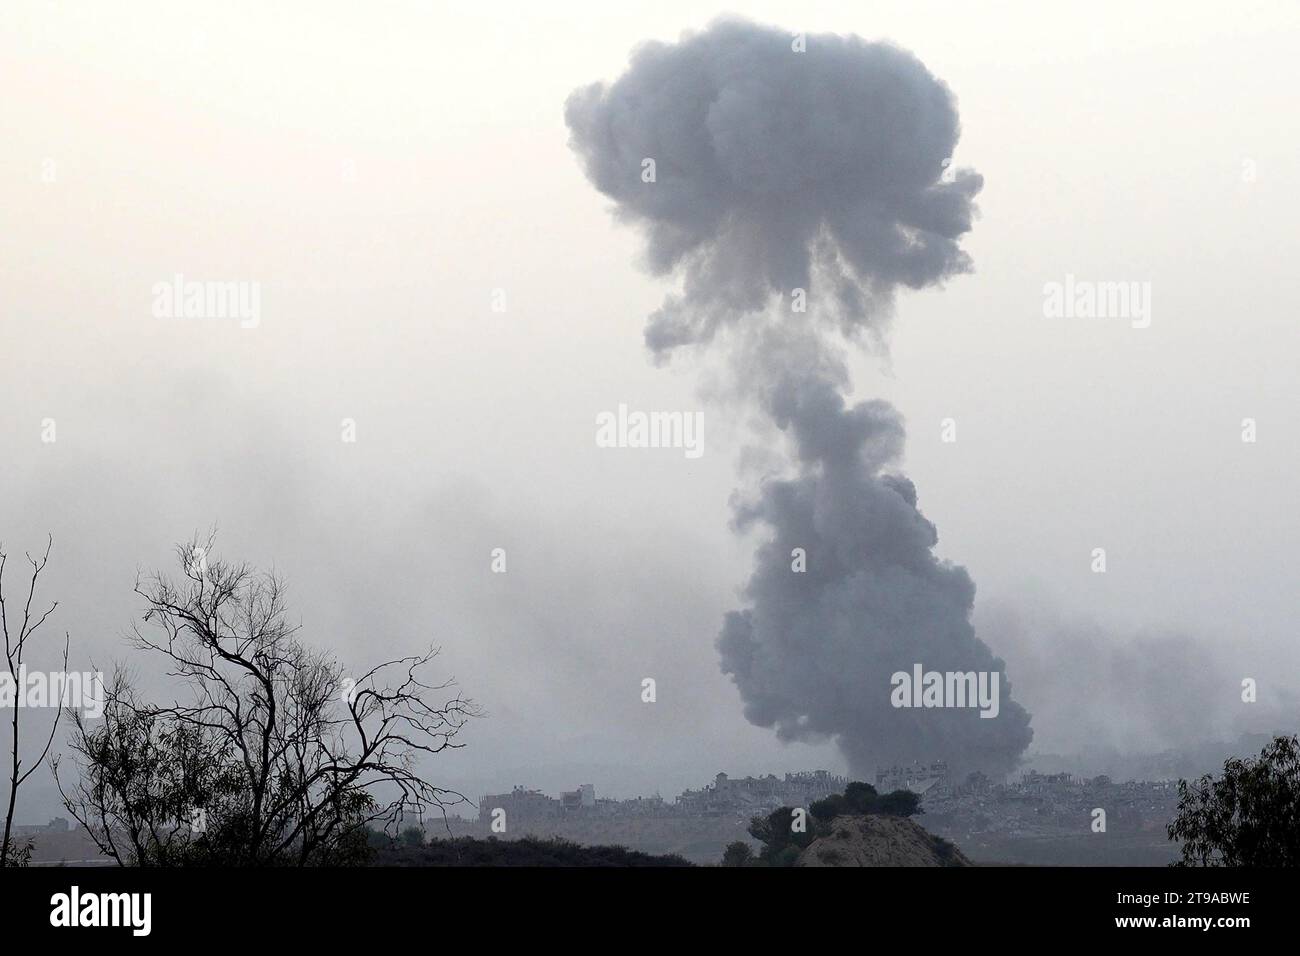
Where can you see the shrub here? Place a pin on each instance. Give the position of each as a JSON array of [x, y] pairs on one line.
[[900, 803], [739, 853]]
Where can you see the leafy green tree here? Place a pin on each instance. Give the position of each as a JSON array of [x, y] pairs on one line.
[[861, 797], [1248, 817], [413, 836], [900, 803], [858, 797], [739, 853], [768, 833], [777, 833], [827, 809]]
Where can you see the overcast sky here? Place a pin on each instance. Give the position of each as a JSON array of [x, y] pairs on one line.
[[382, 170]]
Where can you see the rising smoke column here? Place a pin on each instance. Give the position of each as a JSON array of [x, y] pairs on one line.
[[820, 169]]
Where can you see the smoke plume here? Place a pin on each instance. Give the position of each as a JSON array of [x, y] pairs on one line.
[[794, 184]]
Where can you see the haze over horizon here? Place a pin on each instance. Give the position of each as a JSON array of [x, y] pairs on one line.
[[405, 171]]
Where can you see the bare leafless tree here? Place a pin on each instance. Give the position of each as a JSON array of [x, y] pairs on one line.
[[278, 757], [13, 852]]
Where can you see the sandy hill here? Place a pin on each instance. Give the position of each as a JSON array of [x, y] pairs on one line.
[[880, 841]]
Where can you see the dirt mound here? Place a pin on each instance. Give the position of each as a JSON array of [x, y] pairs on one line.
[[880, 841]]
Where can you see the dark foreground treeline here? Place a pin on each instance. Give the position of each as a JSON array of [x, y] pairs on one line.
[[526, 851]]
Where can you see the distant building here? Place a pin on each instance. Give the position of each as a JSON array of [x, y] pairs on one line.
[[740, 797], [1034, 805], [752, 796], [918, 777], [574, 801], [520, 804], [57, 825]]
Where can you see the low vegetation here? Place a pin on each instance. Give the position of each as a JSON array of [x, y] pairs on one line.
[[527, 851], [787, 831]]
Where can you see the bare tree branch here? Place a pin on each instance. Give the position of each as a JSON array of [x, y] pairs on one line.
[[289, 761], [15, 647]]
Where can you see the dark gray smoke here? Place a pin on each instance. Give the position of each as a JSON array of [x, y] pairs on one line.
[[772, 166], [781, 173]]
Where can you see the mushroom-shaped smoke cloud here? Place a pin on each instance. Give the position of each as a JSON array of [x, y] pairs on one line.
[[759, 166]]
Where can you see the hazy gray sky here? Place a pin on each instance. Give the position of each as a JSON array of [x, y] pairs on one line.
[[382, 172]]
